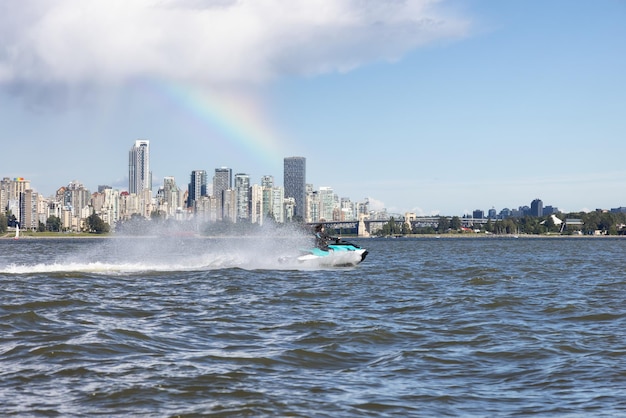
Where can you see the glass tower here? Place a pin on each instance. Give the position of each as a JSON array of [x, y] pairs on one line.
[[222, 181], [242, 196], [536, 208], [295, 183], [139, 174], [197, 187]]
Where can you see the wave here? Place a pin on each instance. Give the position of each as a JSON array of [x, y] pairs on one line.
[[207, 262]]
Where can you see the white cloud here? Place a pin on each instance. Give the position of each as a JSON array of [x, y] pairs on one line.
[[209, 41], [375, 204]]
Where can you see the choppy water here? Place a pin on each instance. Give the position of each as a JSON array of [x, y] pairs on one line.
[[424, 327]]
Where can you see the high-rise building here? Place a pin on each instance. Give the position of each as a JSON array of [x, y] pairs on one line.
[[313, 205], [256, 204], [197, 187], [76, 197], [28, 210], [267, 184], [222, 181], [139, 174], [478, 214], [10, 194], [267, 181], [229, 205], [294, 181], [109, 212], [536, 208], [169, 195], [242, 197], [278, 200], [327, 200]]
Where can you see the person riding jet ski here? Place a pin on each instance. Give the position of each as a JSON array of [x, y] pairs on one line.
[[322, 238]]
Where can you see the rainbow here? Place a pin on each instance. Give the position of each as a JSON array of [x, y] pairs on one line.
[[238, 121]]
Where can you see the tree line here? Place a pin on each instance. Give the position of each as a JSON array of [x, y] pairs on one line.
[[94, 224], [604, 223]]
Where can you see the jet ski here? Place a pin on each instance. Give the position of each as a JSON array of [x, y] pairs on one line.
[[339, 253]]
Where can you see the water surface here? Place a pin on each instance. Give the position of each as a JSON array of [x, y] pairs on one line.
[[217, 327]]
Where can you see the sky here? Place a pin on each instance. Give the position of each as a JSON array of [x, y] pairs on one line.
[[424, 106]]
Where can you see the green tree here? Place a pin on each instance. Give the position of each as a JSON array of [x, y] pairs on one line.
[[53, 224], [498, 227], [3, 223], [607, 223], [550, 225], [96, 224], [504, 226], [443, 225], [489, 226], [455, 223], [530, 225], [591, 222], [390, 228]]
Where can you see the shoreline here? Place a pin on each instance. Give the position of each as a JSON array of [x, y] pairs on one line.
[[10, 236]]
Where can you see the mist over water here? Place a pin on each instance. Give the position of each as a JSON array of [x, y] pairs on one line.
[[170, 325], [164, 249]]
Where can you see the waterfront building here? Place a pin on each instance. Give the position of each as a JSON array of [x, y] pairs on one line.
[[3, 200], [256, 204], [110, 210], [506, 213], [205, 209], [168, 196], [536, 208], [327, 204], [267, 181], [129, 205], [53, 208], [294, 182], [242, 197], [10, 194], [278, 198], [76, 197], [139, 174], [28, 218], [521, 211], [267, 184], [348, 210], [229, 205], [363, 209], [222, 181], [289, 205], [312, 205], [197, 187], [550, 210], [5, 185]]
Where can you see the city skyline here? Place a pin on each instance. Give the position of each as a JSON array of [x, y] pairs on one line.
[[223, 180], [419, 106]]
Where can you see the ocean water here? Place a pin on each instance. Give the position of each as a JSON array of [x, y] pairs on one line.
[[475, 327]]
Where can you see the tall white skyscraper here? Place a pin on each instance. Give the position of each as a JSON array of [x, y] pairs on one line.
[[139, 174]]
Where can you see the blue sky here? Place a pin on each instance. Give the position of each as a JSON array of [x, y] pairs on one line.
[[434, 107]]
